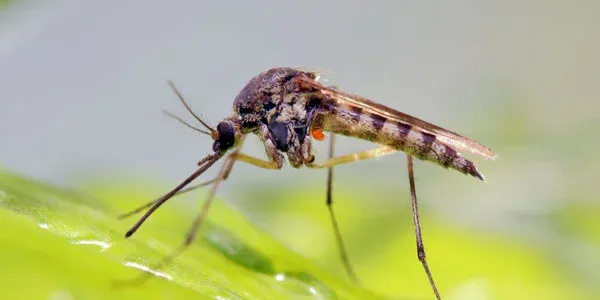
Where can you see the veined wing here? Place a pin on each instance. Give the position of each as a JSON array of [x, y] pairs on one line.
[[455, 140]]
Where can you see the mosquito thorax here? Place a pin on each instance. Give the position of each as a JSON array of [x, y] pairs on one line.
[[262, 94], [226, 135]]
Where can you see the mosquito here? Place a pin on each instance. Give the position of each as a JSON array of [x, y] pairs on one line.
[[287, 108]]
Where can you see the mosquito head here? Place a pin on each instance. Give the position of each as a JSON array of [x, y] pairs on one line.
[[227, 135]]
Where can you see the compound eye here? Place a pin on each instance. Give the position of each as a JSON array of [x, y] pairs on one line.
[[226, 137]]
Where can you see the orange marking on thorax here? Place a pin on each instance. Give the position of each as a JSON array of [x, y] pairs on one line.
[[317, 134]]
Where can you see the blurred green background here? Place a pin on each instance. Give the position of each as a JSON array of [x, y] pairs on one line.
[[82, 86], [3, 3]]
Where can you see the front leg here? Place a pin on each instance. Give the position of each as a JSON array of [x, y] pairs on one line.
[[348, 158], [275, 158], [273, 154]]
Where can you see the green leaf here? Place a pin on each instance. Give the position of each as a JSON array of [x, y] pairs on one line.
[[57, 243]]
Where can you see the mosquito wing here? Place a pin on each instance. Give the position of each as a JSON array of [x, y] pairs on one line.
[[455, 140]]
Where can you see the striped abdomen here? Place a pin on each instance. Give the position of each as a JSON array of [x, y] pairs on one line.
[[353, 121]]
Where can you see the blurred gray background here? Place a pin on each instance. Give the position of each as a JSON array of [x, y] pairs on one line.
[[82, 85]]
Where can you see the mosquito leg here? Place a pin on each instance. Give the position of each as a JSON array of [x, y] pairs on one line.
[[261, 163], [229, 163], [191, 235], [274, 163], [336, 230], [231, 159], [348, 158], [149, 204], [275, 158], [207, 163], [419, 237], [223, 173]]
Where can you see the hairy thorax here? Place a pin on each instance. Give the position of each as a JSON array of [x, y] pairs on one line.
[[278, 110]]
